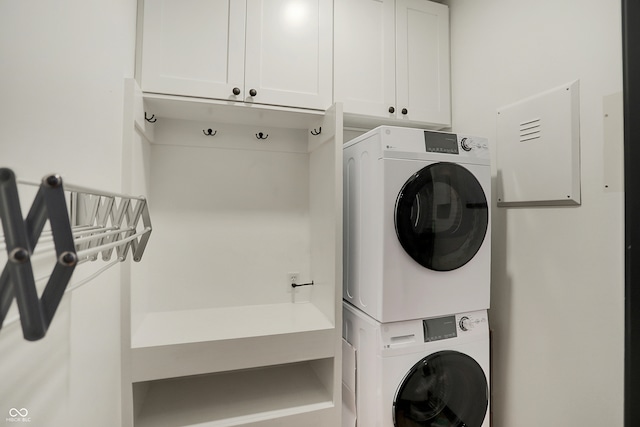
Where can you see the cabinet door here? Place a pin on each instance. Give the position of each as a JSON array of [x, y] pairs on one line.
[[289, 52], [422, 61], [365, 57], [193, 47]]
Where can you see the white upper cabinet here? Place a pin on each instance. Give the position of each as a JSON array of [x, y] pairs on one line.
[[392, 60], [422, 61], [365, 72], [276, 52], [193, 47], [289, 57]]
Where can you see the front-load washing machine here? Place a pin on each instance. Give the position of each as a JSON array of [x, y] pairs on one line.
[[420, 373], [417, 223]]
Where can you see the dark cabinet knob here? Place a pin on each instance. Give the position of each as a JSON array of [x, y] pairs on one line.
[[404, 111], [253, 92], [392, 110], [236, 91]]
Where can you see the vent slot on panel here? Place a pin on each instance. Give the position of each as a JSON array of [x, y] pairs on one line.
[[530, 130]]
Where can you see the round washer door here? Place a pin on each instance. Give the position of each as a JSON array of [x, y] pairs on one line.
[[445, 389], [442, 216]]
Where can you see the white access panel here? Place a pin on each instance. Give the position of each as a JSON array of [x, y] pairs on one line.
[[538, 149]]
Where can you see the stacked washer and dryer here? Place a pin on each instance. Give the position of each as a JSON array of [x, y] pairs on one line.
[[417, 253]]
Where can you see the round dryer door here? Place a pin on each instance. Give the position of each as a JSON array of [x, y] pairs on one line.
[[442, 216], [445, 389]]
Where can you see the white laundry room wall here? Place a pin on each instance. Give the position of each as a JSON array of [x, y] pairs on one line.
[[61, 110], [557, 309]]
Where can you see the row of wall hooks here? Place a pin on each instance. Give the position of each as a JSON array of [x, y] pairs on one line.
[[259, 135], [211, 132], [97, 223]]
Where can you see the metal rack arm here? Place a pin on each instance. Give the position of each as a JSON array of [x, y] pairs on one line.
[[94, 226], [21, 237]]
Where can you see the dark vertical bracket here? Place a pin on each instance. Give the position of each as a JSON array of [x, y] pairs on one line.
[[21, 236], [631, 96]]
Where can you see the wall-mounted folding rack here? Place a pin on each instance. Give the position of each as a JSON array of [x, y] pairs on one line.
[[80, 227]]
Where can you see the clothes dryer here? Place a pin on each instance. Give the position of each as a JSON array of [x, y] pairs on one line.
[[417, 223], [420, 373]]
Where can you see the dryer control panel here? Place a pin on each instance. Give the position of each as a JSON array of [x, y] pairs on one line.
[[440, 142], [451, 143], [421, 144], [473, 143]]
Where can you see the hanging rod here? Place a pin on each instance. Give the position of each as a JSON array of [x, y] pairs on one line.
[[47, 235], [98, 222], [96, 249]]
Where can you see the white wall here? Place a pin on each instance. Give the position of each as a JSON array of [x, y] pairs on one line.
[[557, 273], [61, 108]]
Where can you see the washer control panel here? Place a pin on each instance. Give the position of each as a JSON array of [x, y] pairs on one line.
[[420, 331], [442, 328]]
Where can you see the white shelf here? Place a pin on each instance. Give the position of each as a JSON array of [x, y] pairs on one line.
[[251, 397], [226, 323], [189, 342], [231, 112]]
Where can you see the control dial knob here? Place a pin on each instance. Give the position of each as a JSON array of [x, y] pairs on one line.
[[465, 144], [465, 323]]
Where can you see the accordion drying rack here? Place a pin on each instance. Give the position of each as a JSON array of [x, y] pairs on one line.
[[70, 225]]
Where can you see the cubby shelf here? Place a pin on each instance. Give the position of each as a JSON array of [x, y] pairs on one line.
[[225, 323], [228, 338], [256, 397]]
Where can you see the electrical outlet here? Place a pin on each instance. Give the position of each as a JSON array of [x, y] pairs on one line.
[[293, 277]]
